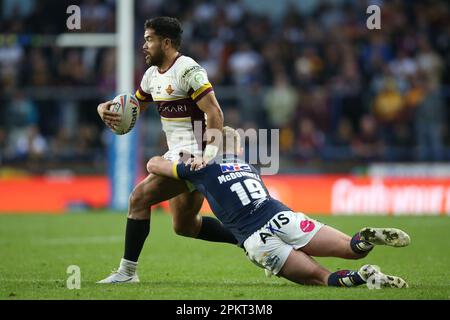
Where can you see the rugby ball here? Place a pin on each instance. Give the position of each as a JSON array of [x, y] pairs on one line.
[[128, 106]]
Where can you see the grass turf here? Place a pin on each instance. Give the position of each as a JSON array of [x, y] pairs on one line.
[[35, 251]]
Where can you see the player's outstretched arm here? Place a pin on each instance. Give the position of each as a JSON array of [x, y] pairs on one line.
[[209, 105], [162, 167]]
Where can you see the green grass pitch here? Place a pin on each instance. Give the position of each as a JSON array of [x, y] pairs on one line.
[[35, 252]]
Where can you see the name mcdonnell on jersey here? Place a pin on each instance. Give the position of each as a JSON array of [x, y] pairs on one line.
[[233, 171], [235, 192], [176, 92]]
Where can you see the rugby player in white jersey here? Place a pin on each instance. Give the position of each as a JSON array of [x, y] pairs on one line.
[[185, 99]]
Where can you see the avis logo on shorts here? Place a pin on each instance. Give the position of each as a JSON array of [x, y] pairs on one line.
[[231, 167], [307, 226]]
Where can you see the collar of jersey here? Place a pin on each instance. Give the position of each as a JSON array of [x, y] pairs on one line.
[[171, 65]]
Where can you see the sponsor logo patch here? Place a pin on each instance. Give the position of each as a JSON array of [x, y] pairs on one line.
[[169, 89], [199, 78], [189, 70], [232, 167], [307, 226]]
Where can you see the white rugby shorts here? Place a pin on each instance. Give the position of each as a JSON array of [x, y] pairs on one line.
[[270, 246], [174, 154]]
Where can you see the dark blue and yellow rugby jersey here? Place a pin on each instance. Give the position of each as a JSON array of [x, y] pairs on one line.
[[235, 192]]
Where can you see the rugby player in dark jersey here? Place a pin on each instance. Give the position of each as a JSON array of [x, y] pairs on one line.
[[274, 237]]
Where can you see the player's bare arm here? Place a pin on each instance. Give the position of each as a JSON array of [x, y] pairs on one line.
[[210, 106], [162, 167]]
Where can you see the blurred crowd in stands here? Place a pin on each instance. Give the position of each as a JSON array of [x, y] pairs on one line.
[[336, 90]]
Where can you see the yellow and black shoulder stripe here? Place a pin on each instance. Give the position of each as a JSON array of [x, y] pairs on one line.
[[201, 92], [143, 96]]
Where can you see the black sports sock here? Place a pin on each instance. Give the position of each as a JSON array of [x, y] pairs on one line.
[[213, 230], [345, 278], [135, 235]]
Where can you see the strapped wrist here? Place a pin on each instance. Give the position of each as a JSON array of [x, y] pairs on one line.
[[210, 152]]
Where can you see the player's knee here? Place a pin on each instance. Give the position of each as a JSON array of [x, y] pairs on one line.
[[187, 227], [137, 201], [145, 195], [151, 163], [184, 230], [136, 197], [181, 230], [149, 166]]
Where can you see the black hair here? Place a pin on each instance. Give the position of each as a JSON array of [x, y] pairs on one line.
[[166, 27]]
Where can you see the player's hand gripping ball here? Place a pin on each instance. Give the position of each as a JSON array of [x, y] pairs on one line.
[[128, 107]]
